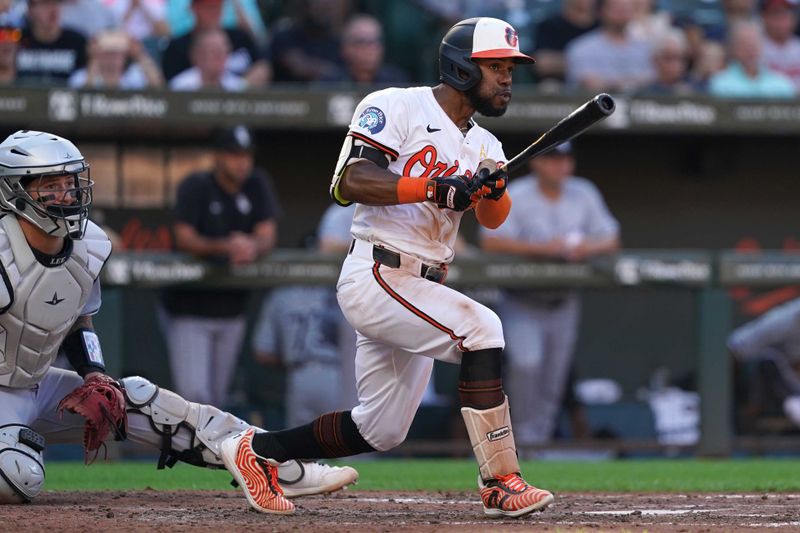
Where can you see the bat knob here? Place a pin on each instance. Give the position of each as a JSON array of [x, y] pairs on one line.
[[605, 103]]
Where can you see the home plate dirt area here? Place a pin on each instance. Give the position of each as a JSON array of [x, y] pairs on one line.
[[375, 511]]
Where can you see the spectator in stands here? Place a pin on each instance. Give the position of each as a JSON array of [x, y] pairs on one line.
[[210, 53], [48, 53], [746, 75], [362, 52], [12, 13], [671, 60], [772, 343], [709, 60], [245, 59], [141, 19], [781, 45], [226, 215], [87, 17], [117, 61], [649, 22], [609, 58], [554, 33], [306, 46], [9, 43], [556, 216], [733, 12], [236, 14]]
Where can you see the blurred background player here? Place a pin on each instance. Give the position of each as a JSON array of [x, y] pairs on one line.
[[226, 215], [771, 344], [558, 216]]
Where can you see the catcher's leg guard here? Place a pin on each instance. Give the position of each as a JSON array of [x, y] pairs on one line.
[[183, 430], [492, 439], [21, 463], [193, 433]]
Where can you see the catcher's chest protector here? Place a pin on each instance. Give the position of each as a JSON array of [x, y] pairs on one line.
[[41, 303]]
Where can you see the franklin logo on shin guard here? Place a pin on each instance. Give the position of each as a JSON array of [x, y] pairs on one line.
[[498, 434]]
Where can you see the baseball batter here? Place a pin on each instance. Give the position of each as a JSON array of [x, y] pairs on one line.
[[408, 161], [51, 256]]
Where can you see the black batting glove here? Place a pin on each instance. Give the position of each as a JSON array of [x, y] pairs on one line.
[[450, 192]]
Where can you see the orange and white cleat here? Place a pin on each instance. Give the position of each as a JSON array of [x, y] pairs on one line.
[[256, 475], [511, 496]]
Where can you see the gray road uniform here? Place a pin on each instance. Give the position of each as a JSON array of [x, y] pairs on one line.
[[300, 324], [773, 337], [335, 226], [541, 326]]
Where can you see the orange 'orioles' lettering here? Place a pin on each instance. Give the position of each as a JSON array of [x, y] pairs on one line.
[[431, 168]]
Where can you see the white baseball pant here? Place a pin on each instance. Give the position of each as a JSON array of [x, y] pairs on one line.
[[404, 322]]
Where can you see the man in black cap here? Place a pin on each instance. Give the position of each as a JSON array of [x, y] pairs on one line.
[[225, 215]]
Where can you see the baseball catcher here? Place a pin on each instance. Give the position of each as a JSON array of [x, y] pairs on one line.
[[51, 256]]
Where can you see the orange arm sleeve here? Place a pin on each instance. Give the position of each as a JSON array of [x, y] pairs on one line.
[[492, 213]]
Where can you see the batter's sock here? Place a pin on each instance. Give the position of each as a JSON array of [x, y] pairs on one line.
[[480, 383], [331, 435]]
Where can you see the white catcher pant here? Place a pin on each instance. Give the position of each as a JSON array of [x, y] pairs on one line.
[[404, 322], [36, 407]]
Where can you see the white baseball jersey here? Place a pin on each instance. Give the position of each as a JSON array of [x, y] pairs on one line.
[[420, 140]]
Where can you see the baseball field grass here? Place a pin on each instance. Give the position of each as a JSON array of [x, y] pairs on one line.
[[718, 476]]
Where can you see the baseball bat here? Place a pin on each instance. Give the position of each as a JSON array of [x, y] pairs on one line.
[[568, 127]]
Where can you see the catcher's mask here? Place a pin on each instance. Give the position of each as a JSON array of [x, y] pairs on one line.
[[45, 180]]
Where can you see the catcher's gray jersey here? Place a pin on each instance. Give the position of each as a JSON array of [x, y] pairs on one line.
[[777, 330], [39, 304]]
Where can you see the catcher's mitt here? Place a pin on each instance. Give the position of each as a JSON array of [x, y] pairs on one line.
[[101, 402]]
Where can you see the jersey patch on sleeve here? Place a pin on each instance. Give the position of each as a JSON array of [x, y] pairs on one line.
[[372, 119]]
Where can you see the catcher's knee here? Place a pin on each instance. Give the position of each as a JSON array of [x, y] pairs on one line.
[[21, 464], [175, 420]]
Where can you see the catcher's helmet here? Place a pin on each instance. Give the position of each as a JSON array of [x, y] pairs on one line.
[[26, 156], [476, 37]]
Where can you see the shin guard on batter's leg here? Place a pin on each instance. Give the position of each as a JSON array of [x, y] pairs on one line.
[[492, 439], [503, 491]]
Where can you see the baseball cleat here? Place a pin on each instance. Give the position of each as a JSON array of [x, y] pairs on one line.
[[511, 496], [301, 478], [257, 476]]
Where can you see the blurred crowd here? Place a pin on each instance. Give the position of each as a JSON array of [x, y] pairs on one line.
[[726, 48]]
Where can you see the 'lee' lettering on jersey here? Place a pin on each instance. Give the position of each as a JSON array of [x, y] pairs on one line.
[[411, 128]]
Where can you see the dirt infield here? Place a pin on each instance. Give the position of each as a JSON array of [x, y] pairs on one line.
[[355, 510]]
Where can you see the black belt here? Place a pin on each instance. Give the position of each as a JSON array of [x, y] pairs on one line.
[[392, 259]]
